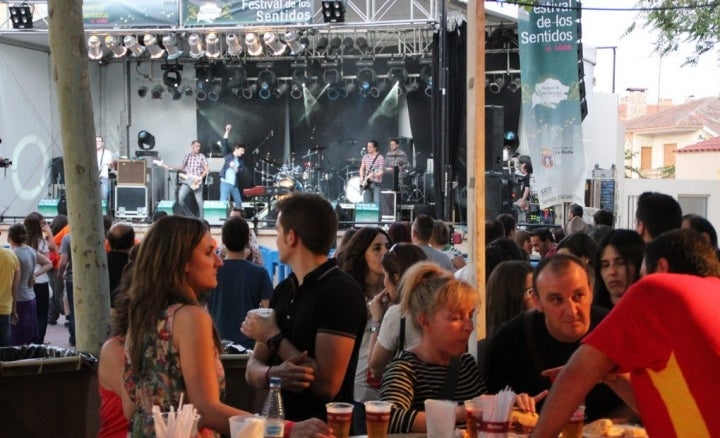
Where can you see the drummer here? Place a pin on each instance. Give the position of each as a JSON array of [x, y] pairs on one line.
[[396, 157], [371, 173]]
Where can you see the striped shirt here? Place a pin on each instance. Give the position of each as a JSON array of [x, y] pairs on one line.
[[409, 381]]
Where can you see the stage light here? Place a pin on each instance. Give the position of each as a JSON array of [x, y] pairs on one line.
[[274, 44], [113, 43], [142, 91], [249, 91], [333, 11], [515, 85], [411, 86], [348, 44], [297, 91], [95, 51], [321, 44], [215, 90], [234, 45], [362, 45], [334, 46], [172, 76], [294, 42], [348, 89], [176, 94], [266, 81], [332, 77], [195, 43], [380, 87], [152, 46], [254, 47], [145, 140], [188, 91], [426, 76], [132, 44], [397, 72], [170, 43], [496, 85], [21, 17], [212, 45], [280, 90], [157, 92], [366, 80]]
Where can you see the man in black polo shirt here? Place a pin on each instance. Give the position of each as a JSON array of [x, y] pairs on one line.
[[320, 315]]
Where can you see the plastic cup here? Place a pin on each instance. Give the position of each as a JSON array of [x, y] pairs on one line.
[[339, 418], [574, 426], [377, 418], [246, 426], [440, 418], [263, 312], [473, 416]]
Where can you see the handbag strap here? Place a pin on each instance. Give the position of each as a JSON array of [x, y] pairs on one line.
[[401, 339], [448, 388]]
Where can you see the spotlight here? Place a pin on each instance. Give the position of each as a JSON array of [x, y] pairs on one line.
[[145, 140], [249, 91], [215, 90], [296, 45], [332, 77], [411, 86], [142, 91], [496, 86], [274, 44], [195, 44], [132, 44], [21, 17], [152, 46], [200, 94], [348, 89], [157, 92], [113, 43], [348, 44], [333, 11], [299, 73], [313, 88], [234, 45], [266, 81], [397, 74], [170, 43], [188, 91], [362, 45], [280, 90], [321, 44], [212, 45], [426, 77], [176, 94], [366, 80], [297, 91], [334, 45], [515, 85], [94, 48], [254, 47], [379, 88], [172, 77]]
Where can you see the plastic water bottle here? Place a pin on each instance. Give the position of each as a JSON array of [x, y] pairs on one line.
[[273, 411]]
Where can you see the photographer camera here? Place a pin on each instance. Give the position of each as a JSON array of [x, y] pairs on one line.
[[4, 162]]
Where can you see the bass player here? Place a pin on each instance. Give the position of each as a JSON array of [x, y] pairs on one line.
[[371, 173]]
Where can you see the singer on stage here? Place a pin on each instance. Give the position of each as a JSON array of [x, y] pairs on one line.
[[233, 167], [194, 167], [371, 172]]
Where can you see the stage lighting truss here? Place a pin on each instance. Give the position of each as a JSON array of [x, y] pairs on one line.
[[234, 45], [131, 43], [171, 46], [151, 45]]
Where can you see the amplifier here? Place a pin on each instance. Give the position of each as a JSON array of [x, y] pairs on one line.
[[131, 172], [215, 212], [388, 206], [130, 201]]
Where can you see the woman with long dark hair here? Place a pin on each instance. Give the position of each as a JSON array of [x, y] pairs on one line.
[[617, 266], [40, 238]]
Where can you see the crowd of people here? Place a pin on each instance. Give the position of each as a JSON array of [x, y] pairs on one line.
[[584, 318]]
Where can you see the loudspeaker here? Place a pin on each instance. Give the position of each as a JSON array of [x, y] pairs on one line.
[[429, 187], [366, 213], [345, 213], [388, 206], [131, 172], [494, 127], [215, 212], [48, 208], [212, 186], [391, 180], [131, 201], [57, 171], [498, 193]]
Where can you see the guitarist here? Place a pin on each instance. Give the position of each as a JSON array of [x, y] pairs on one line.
[[195, 167], [371, 172]]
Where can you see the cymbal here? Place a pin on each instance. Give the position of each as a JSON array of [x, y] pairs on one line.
[[353, 160], [270, 161]]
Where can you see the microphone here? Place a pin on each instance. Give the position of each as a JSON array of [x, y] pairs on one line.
[[363, 151]]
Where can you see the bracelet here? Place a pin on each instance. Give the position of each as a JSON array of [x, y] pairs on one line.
[[374, 326], [267, 374]]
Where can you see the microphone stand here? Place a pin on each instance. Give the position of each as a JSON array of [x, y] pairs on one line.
[[256, 152]]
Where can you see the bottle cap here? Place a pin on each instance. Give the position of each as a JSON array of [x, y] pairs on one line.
[[275, 380]]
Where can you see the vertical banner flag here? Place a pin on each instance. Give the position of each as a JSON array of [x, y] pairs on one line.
[[551, 99]]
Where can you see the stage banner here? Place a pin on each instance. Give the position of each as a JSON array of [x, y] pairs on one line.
[[103, 14], [246, 12], [547, 34]]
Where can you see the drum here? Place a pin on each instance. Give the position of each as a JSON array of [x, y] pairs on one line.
[[308, 174], [297, 172], [285, 183], [352, 190]]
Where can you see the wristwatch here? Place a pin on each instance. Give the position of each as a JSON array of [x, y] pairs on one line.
[[274, 342]]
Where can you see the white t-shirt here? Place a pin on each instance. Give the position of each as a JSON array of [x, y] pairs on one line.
[[389, 335]]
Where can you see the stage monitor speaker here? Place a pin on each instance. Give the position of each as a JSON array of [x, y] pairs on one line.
[[212, 186], [498, 194], [130, 201], [366, 214], [167, 206], [131, 172], [48, 208], [388, 206], [215, 212], [345, 213], [494, 127]]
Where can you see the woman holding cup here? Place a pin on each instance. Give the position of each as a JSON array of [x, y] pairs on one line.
[[172, 347], [439, 367]]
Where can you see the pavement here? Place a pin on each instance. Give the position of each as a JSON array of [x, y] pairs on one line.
[[57, 335]]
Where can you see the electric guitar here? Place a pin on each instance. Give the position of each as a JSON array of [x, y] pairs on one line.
[[366, 184], [193, 181]]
